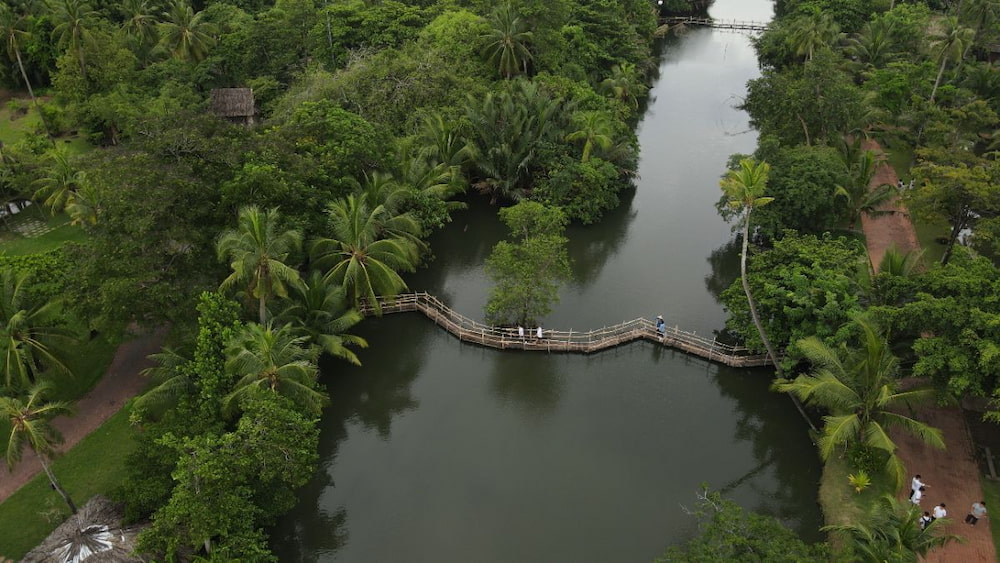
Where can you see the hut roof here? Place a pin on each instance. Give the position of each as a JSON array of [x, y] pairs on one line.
[[232, 102]]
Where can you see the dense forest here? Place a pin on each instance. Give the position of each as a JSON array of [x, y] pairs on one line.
[[252, 173]]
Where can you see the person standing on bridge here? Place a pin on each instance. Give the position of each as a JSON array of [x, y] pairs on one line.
[[520, 332], [540, 333], [661, 326]]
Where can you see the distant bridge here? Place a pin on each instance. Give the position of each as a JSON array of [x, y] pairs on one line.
[[716, 24], [468, 330]]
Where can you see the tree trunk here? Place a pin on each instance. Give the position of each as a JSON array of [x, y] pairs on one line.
[[937, 82], [34, 100], [756, 317], [805, 129], [952, 237], [263, 309], [55, 483]]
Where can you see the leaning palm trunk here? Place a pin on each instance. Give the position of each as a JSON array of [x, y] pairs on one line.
[[55, 483], [756, 318], [34, 100], [937, 81]]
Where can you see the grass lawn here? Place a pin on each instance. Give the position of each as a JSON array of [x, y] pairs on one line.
[[95, 466], [839, 501], [14, 243], [927, 235], [991, 494], [900, 155], [14, 127]]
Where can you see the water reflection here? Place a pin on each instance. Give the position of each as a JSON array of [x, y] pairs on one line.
[[529, 381], [725, 263], [591, 246]]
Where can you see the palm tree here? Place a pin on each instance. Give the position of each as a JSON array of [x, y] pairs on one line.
[[321, 311], [626, 84], [184, 33], [860, 388], [893, 532], [860, 167], [507, 41], [811, 32], [139, 21], [368, 248], [60, 182], [594, 129], [30, 425], [951, 42], [28, 333], [983, 13], [13, 33], [257, 254], [72, 19], [874, 46], [745, 188], [169, 379], [276, 360]]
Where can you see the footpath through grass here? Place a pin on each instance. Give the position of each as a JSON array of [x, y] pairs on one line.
[[95, 466], [991, 494]]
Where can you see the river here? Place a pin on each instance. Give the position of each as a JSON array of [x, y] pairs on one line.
[[436, 450]]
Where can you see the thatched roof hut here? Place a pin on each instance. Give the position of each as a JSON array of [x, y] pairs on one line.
[[235, 104]]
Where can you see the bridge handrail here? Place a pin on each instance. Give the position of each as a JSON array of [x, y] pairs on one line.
[[469, 329]]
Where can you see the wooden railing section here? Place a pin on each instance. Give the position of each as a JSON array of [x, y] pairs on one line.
[[468, 330], [717, 24]]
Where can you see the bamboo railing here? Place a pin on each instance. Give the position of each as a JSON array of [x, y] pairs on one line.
[[717, 24], [589, 342]]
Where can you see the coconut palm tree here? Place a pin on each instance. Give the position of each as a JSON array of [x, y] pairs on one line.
[[169, 380], [29, 419], [184, 33], [812, 32], [860, 167], [275, 360], [981, 13], [626, 84], [30, 339], [951, 42], [874, 46], [322, 312], [368, 247], [73, 18], [257, 253], [859, 387], [508, 41], [139, 22], [60, 181], [13, 33], [745, 188], [594, 129], [892, 532]]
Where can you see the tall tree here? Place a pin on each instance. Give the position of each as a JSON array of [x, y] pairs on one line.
[[861, 389], [30, 337], [812, 32], [276, 360], [626, 84], [950, 42], [860, 167], [185, 33], [140, 22], [508, 41], [257, 253], [13, 32], [744, 187], [30, 426], [73, 19], [368, 248]]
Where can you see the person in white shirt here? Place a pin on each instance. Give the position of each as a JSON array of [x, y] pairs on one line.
[[916, 495], [939, 511], [915, 485]]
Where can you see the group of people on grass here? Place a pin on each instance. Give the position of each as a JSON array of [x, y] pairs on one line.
[[917, 490]]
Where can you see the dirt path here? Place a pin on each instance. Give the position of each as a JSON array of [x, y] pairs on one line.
[[121, 382], [952, 474]]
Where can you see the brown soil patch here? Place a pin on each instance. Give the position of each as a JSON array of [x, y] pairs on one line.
[[953, 474], [121, 382], [890, 230]]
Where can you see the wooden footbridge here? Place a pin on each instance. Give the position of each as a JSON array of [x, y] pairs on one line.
[[468, 330], [716, 24]]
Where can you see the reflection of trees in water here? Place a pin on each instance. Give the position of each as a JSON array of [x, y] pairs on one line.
[[372, 395], [528, 380], [780, 444], [590, 246], [725, 262]]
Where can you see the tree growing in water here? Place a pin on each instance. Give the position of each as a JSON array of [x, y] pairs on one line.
[[529, 270]]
